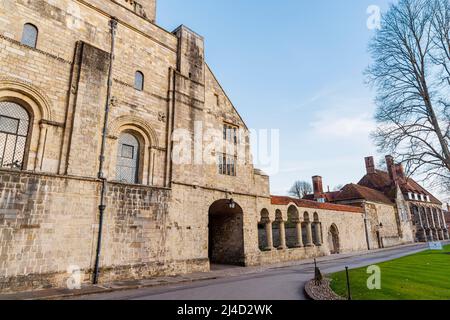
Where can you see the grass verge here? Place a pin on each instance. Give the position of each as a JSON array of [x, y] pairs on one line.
[[422, 276]]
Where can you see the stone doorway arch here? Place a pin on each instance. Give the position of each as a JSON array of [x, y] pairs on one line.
[[226, 233], [333, 240]]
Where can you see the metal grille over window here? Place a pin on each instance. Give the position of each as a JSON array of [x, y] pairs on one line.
[[127, 159], [29, 36], [14, 123]]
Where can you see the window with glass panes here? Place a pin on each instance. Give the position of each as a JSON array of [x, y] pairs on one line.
[[14, 126], [127, 159], [228, 162]]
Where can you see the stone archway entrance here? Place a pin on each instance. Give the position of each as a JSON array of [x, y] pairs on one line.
[[226, 234], [333, 240]]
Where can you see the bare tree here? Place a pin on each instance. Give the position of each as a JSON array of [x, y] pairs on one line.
[[300, 189], [441, 39], [411, 72]]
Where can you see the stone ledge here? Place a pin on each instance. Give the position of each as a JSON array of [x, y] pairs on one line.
[[322, 291]]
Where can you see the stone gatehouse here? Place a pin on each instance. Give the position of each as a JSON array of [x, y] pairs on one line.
[[93, 95]]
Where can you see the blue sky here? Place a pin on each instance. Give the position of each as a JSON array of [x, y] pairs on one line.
[[297, 66]]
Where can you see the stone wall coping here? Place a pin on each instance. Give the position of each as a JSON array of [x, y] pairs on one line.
[[79, 178], [220, 190], [136, 186]]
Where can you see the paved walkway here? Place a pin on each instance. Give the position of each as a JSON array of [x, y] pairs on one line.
[[219, 275]]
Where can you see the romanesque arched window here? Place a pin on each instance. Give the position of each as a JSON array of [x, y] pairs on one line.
[[127, 168], [139, 81], [29, 35], [14, 129]]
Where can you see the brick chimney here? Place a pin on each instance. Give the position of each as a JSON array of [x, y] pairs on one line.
[[400, 173], [370, 165], [318, 187], [391, 168]]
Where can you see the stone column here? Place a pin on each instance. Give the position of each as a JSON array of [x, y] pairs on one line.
[[299, 233], [282, 236], [269, 236], [440, 226], [422, 227], [434, 226], [446, 234], [150, 164], [40, 151], [430, 236], [318, 234], [309, 240]]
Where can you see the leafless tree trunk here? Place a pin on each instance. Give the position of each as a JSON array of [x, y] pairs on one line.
[[411, 71], [301, 189]]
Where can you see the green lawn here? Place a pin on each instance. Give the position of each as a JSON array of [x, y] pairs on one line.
[[423, 276]]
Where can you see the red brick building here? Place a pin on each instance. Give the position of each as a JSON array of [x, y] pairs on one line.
[[414, 207]]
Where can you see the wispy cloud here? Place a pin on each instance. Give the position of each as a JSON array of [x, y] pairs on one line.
[[349, 127], [312, 100]]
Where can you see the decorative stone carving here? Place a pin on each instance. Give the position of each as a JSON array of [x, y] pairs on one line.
[[136, 7], [162, 117], [114, 101], [74, 89]]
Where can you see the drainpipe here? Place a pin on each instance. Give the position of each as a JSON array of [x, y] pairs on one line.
[[366, 228], [101, 175]]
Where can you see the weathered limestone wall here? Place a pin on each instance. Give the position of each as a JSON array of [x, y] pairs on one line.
[[351, 230], [84, 148], [385, 215], [277, 256], [139, 237], [72, 37], [41, 231], [142, 8], [189, 210], [49, 223]]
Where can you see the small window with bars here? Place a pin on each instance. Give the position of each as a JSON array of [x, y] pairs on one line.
[[227, 164], [14, 126]]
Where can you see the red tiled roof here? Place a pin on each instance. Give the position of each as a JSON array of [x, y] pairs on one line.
[[280, 200], [354, 192], [381, 181], [329, 196]]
